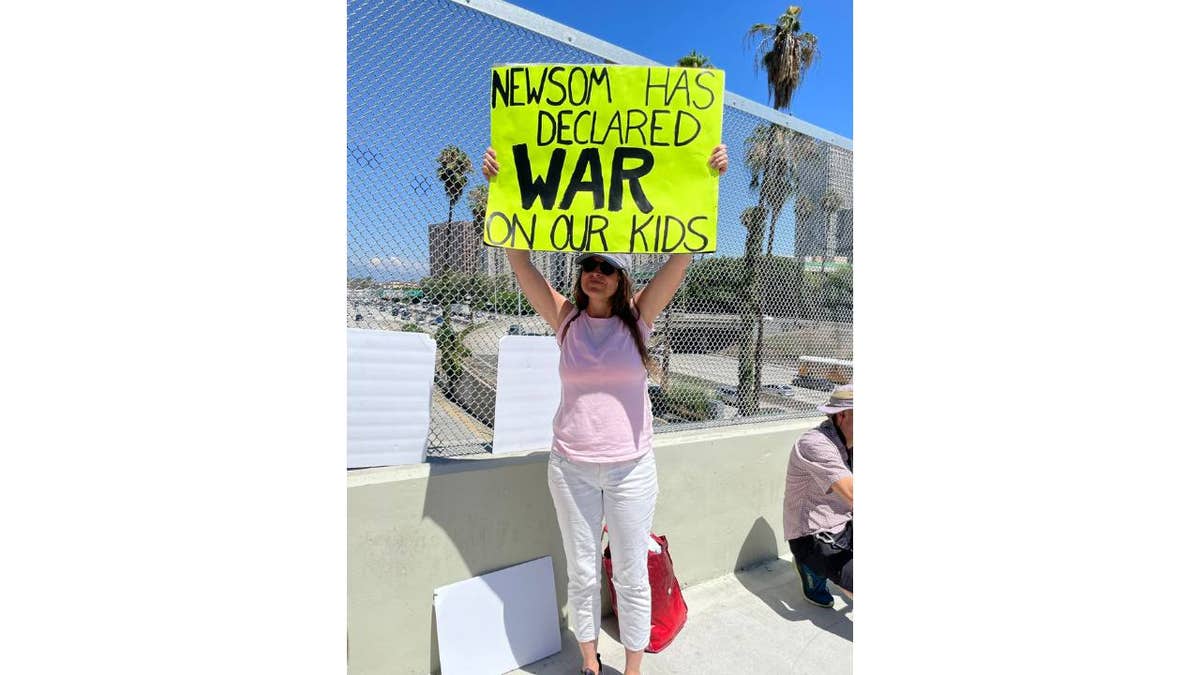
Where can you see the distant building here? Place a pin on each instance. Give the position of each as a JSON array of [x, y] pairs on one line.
[[454, 248], [821, 232], [554, 266], [558, 268], [494, 264], [840, 175]]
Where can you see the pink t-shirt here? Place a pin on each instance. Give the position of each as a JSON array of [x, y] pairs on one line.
[[604, 414]]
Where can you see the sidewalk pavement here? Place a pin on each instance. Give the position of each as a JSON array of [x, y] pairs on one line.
[[753, 621]]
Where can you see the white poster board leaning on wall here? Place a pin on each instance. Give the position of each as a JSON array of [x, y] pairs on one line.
[[388, 391], [527, 393]]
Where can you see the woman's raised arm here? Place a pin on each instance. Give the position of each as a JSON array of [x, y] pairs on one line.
[[547, 302]]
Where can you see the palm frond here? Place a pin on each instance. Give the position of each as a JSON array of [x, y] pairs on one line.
[[454, 167], [477, 199], [803, 207]]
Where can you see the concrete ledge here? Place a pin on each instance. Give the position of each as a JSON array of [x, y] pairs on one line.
[[414, 528]]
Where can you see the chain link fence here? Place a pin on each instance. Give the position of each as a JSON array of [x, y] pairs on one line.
[[760, 330]]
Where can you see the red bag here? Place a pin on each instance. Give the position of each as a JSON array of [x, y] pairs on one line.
[[668, 611]]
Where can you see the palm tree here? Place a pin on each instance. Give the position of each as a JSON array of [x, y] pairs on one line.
[[454, 166], [774, 154], [785, 52], [802, 209], [750, 305], [694, 60], [453, 353], [477, 200], [778, 159]]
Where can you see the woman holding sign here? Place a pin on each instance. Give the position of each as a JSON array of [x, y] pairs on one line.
[[601, 466]]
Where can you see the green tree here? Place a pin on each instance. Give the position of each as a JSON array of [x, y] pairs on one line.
[[785, 52], [694, 60], [714, 285], [838, 294], [689, 401], [777, 278], [472, 290], [509, 302], [452, 354], [453, 169]]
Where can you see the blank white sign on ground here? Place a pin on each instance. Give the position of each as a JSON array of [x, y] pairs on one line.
[[527, 393], [389, 384], [499, 621]]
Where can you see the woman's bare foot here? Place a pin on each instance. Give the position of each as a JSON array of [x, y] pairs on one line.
[[591, 660]]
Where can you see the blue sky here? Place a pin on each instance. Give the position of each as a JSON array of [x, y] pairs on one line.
[[664, 31], [418, 74]]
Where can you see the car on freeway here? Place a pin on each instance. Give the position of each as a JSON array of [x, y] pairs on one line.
[[779, 390]]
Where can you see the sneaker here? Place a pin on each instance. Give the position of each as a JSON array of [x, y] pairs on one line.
[[814, 588]]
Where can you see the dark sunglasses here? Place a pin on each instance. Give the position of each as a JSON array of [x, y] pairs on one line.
[[590, 264]]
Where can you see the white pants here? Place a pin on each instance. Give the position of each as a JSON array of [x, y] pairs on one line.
[[623, 494]]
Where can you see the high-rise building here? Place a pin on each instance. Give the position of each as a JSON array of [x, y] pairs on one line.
[[841, 174], [495, 265], [823, 232], [554, 266], [454, 248]]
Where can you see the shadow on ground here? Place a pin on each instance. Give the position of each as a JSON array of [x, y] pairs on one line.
[[780, 588]]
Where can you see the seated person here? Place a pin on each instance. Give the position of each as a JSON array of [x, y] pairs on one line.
[[818, 502]]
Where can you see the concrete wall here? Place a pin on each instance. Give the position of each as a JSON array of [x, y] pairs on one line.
[[415, 528]]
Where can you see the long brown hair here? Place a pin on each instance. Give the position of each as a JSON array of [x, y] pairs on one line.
[[622, 306]]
